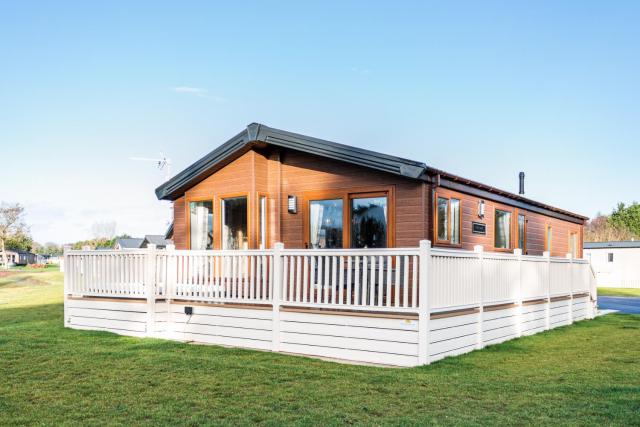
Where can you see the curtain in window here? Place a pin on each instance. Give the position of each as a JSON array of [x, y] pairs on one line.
[[455, 221], [503, 227], [315, 213], [325, 224]]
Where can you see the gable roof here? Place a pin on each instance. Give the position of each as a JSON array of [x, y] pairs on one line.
[[131, 243], [257, 134], [260, 135], [613, 245]]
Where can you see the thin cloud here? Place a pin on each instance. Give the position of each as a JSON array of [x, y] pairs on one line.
[[197, 91]]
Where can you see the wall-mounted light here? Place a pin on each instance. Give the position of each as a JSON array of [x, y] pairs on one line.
[[292, 204], [481, 209]]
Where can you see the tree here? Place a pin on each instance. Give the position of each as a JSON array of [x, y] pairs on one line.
[[11, 224], [21, 241], [103, 230], [601, 229], [626, 217]]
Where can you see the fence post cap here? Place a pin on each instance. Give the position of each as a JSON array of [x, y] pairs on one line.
[[171, 247], [546, 254], [151, 246], [66, 248], [86, 248], [478, 249], [278, 245], [517, 252], [425, 243], [569, 255]]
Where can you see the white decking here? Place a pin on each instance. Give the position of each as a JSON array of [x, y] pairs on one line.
[[401, 307]]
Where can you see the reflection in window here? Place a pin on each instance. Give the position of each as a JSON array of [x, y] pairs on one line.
[[503, 229], [443, 218], [521, 231], [548, 238], [201, 224], [455, 221], [369, 222], [234, 223], [325, 224]]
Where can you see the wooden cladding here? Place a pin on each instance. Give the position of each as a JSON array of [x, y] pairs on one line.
[[266, 177]]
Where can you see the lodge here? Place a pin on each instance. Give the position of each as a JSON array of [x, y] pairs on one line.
[[266, 185]]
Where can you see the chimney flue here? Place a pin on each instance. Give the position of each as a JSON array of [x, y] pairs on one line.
[[521, 191]]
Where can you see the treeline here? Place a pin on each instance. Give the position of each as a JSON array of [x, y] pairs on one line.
[[622, 224]]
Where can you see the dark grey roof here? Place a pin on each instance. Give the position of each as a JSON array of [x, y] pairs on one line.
[[260, 135], [257, 134], [157, 239], [131, 243], [613, 245], [169, 233]]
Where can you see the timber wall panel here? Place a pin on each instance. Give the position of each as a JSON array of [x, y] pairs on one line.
[[536, 226], [124, 318]]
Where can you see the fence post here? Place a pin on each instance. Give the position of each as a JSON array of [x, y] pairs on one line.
[[570, 258], [275, 296], [547, 255], [66, 285], [479, 249], [171, 280], [518, 254], [150, 288], [424, 314]]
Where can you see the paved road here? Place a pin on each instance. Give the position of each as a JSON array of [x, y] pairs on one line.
[[622, 304]]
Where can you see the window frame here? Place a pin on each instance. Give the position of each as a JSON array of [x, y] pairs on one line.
[[548, 244], [449, 220], [187, 209], [509, 248], [218, 217], [346, 195], [259, 230], [575, 235], [519, 213]]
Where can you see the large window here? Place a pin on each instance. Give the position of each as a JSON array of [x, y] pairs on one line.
[[234, 223], [448, 221], [201, 224], [522, 232], [369, 222], [325, 224], [502, 239]]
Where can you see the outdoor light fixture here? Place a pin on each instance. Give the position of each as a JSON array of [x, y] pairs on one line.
[[481, 209], [292, 204]]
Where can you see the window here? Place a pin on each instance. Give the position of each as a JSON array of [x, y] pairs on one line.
[[201, 224], [610, 256], [522, 230], [262, 222], [502, 238], [234, 223], [325, 224], [548, 237], [573, 244], [369, 222], [448, 220]]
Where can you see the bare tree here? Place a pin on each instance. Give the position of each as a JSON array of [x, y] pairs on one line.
[[103, 230], [11, 223]]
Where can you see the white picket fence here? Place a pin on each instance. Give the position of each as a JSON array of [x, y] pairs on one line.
[[417, 283]]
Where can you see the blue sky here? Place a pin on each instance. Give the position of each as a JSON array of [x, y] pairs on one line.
[[480, 89]]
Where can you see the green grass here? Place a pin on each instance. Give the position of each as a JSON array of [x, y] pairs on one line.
[[585, 374], [619, 292]]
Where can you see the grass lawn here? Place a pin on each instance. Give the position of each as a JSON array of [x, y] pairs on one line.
[[585, 374], [619, 292]]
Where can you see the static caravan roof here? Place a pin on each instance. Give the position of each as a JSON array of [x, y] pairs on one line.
[[613, 245], [260, 135]]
